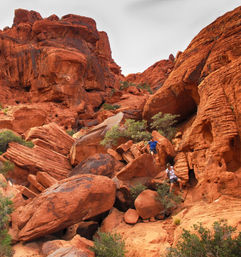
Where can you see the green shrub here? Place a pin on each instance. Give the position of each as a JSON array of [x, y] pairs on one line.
[[5, 240], [177, 221], [5, 111], [145, 86], [135, 130], [204, 243], [112, 136], [136, 190], [107, 106], [108, 245], [167, 199], [8, 136], [70, 132], [6, 166], [164, 123], [124, 85]]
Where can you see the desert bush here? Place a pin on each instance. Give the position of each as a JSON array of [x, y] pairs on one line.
[[8, 136], [145, 86], [205, 243], [70, 132], [135, 130], [5, 240], [108, 245], [112, 136], [136, 190], [6, 166], [167, 199], [107, 106], [177, 221], [164, 123]]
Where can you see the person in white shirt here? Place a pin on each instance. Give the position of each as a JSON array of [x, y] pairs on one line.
[[172, 177]]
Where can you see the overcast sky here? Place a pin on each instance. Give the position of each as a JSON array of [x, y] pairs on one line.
[[141, 32]]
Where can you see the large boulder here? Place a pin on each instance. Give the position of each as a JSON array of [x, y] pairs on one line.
[[147, 205], [98, 164], [89, 144], [143, 166], [67, 202]]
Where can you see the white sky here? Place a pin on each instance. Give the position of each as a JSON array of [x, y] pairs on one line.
[[141, 32]]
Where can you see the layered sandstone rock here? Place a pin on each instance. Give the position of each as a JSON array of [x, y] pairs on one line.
[[65, 203], [39, 159], [51, 136]]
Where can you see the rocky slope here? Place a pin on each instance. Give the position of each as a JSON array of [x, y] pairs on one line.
[[55, 75]]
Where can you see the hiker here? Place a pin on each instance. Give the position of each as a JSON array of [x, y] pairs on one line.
[[152, 147], [172, 177]]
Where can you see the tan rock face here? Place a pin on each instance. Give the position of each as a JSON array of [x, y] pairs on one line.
[[78, 246], [66, 203], [131, 216]]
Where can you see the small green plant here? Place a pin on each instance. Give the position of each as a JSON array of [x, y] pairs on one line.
[[205, 243], [145, 86], [168, 199], [5, 111], [107, 106], [164, 123], [5, 240], [1, 106], [8, 136], [124, 85], [136, 190], [6, 166], [70, 132], [108, 245], [177, 221]]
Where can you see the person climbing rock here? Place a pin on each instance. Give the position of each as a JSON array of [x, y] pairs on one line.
[[152, 147], [172, 177]]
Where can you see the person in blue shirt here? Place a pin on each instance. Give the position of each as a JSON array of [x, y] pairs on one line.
[[152, 146]]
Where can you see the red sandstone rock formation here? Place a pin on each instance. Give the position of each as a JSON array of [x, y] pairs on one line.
[[65, 203], [155, 75], [66, 61]]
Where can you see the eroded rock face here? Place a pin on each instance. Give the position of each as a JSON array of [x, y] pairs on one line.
[[66, 61], [206, 78], [155, 75], [215, 46], [63, 204]]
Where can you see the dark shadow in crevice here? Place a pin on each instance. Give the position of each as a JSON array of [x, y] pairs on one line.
[[192, 181]]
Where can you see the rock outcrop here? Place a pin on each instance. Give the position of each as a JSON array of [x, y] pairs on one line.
[[66, 61], [69, 201]]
